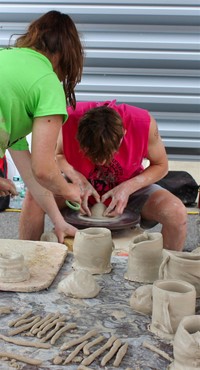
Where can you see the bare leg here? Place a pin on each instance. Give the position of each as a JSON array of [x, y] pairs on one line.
[[165, 208], [31, 223]]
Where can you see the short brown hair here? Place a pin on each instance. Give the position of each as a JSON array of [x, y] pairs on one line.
[[99, 133], [52, 33]]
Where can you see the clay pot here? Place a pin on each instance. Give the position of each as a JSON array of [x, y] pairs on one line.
[[172, 300], [92, 249], [182, 266], [186, 344], [12, 268], [145, 256]]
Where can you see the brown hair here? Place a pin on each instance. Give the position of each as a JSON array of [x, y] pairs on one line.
[[100, 131], [52, 33]]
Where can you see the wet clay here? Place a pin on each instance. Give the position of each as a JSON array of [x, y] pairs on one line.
[[186, 344], [97, 210], [182, 266], [141, 299], [172, 300], [79, 284], [12, 268], [145, 257], [92, 248]]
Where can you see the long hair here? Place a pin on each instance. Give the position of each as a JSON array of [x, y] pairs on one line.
[[55, 33], [99, 133]]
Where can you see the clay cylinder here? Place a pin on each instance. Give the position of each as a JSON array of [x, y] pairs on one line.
[[92, 249], [186, 344], [182, 266], [145, 256], [172, 300], [12, 268]]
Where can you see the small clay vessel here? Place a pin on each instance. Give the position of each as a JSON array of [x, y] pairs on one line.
[[92, 249], [97, 210], [145, 257], [186, 345], [12, 268], [172, 300], [182, 266]]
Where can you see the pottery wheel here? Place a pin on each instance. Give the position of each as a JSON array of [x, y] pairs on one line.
[[126, 220]]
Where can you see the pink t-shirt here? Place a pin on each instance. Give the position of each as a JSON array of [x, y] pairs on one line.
[[126, 163]]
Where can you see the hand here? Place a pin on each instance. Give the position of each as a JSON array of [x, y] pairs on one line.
[[87, 190], [64, 229], [119, 199], [7, 187]]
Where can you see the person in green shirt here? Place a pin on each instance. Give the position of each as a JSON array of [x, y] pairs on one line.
[[38, 77]]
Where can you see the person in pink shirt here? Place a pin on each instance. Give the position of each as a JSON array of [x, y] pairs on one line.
[[101, 149]]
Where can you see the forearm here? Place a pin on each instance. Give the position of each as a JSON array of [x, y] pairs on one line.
[[149, 176]]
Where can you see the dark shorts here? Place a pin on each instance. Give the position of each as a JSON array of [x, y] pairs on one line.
[[138, 199]]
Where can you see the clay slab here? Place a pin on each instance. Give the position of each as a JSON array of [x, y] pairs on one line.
[[43, 259]]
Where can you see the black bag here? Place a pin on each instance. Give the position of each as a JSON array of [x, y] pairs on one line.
[[4, 201], [181, 184]]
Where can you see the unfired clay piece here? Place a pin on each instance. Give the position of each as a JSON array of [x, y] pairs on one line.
[[186, 345], [145, 256], [141, 299], [182, 266], [79, 284], [12, 268], [172, 300], [92, 248], [97, 210], [49, 236]]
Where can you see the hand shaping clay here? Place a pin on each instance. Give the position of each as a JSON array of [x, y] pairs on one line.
[[141, 299], [186, 344], [172, 300], [182, 266], [145, 257], [79, 284], [12, 268], [92, 248]]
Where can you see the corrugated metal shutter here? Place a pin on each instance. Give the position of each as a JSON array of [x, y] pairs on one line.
[[144, 53]]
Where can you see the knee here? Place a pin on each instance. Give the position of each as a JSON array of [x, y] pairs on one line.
[[176, 212]]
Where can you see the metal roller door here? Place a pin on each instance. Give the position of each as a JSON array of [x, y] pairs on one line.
[[144, 53]]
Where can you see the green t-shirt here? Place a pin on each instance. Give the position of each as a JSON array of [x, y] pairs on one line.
[[29, 88]]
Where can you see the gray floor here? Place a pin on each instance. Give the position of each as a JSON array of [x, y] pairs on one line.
[[9, 228]]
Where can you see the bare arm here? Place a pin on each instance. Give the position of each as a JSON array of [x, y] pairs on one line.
[[75, 177], [41, 174]]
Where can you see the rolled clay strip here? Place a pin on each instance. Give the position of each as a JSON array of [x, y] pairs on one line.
[[52, 332], [72, 343], [5, 310], [112, 352], [158, 351], [88, 360], [120, 355], [61, 331], [49, 326], [74, 353], [48, 321], [27, 314], [23, 328], [36, 327], [27, 360], [91, 344], [25, 343], [24, 321]]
